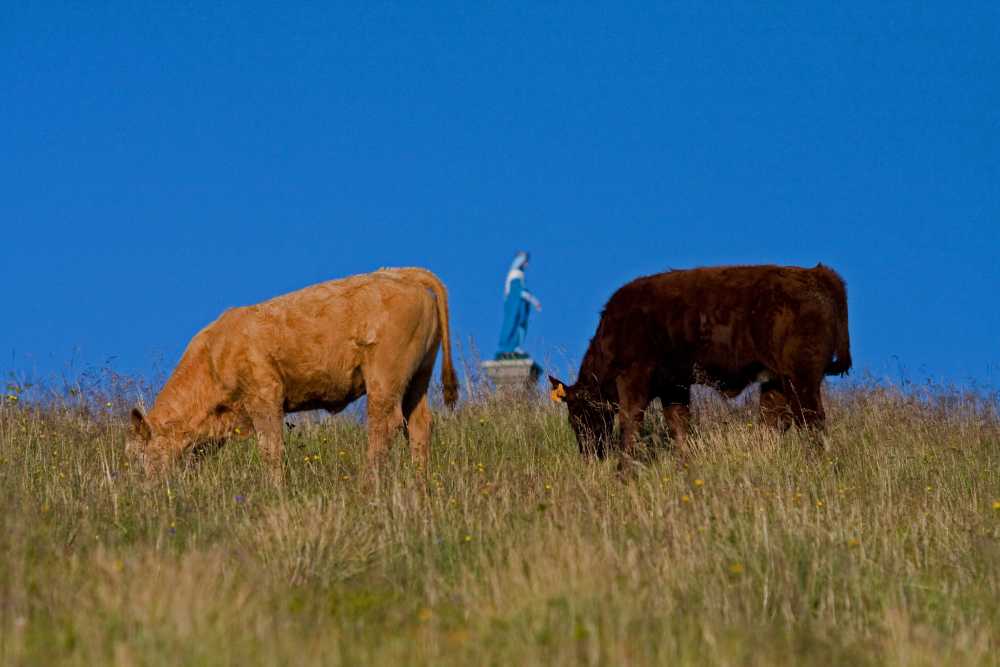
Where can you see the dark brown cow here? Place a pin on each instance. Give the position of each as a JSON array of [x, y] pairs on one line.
[[725, 327]]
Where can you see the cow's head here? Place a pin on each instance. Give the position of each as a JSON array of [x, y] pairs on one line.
[[143, 445], [590, 417]]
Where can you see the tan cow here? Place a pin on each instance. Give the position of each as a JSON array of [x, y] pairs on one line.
[[320, 347]]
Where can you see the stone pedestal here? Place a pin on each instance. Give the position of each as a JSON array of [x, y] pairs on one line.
[[513, 375]]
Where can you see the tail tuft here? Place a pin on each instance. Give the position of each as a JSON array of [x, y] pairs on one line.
[[840, 364], [449, 380], [451, 391]]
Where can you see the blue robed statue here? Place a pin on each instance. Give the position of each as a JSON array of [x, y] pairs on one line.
[[517, 305]]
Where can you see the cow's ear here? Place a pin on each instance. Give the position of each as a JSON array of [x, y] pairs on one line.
[[558, 393], [139, 425]]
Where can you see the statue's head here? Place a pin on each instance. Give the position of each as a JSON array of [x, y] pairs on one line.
[[520, 262], [590, 417]]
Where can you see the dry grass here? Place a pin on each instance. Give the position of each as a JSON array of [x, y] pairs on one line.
[[883, 550]]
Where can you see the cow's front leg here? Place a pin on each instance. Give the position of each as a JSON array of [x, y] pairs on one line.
[[678, 418], [633, 397], [677, 414], [630, 423], [269, 425], [266, 409]]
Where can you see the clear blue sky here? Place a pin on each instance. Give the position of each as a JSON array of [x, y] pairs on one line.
[[158, 164]]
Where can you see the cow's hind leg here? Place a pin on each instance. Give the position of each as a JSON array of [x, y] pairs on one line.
[[810, 414], [806, 403], [417, 416], [813, 414], [797, 401], [389, 373], [774, 409], [385, 417]]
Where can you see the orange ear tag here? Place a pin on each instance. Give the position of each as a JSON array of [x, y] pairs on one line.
[[558, 394]]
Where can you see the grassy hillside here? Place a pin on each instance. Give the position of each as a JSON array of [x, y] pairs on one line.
[[883, 550]]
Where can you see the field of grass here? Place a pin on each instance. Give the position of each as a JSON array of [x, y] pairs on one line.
[[885, 549]]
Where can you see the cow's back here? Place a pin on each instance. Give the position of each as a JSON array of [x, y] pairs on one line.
[[317, 339], [726, 319]]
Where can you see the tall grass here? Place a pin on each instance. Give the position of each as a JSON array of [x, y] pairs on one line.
[[885, 549]]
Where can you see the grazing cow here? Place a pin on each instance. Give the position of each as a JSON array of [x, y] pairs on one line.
[[724, 327], [320, 347]]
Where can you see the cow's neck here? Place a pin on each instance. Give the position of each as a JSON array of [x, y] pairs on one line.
[[594, 372], [188, 400]]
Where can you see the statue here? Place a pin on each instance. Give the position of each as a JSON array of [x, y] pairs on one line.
[[517, 305], [513, 370]]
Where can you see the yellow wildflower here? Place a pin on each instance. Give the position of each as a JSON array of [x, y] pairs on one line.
[[699, 482], [458, 636], [736, 568], [685, 498], [996, 504]]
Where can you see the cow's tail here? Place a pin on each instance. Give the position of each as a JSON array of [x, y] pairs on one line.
[[449, 381], [841, 362]]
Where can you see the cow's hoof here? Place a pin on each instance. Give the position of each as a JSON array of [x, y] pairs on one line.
[[817, 445], [275, 475], [629, 466]]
